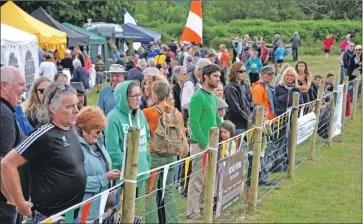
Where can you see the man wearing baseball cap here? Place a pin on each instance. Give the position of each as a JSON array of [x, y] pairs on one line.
[[262, 93], [106, 100]]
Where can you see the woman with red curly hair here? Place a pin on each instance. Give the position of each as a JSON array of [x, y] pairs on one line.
[[89, 124]]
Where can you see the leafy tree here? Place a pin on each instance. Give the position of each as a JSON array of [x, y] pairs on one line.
[[77, 12]]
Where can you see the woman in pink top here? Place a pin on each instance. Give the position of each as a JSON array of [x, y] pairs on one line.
[[87, 62], [328, 42], [344, 43]]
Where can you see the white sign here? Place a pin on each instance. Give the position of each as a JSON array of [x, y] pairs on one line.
[[305, 127], [337, 121]]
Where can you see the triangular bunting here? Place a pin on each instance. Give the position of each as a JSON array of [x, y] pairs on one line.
[[187, 161], [204, 161], [85, 211], [302, 110], [236, 141], [69, 216], [152, 182], [48, 221], [165, 175], [278, 127], [241, 142], [224, 148], [118, 195], [121, 200], [104, 196]]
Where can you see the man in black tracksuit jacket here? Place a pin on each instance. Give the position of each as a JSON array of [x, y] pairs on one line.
[[238, 97]]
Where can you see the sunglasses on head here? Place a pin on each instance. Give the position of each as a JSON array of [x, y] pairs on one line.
[[59, 88]]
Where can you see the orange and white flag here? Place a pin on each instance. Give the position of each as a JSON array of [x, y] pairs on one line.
[[193, 31]]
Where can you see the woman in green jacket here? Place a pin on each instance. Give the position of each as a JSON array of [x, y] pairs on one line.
[[127, 114]]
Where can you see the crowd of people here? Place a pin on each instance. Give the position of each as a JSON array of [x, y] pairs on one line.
[[57, 151]]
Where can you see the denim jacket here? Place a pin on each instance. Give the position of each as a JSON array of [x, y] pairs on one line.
[[96, 175]]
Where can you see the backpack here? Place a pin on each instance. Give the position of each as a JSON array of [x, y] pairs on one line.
[[168, 138]]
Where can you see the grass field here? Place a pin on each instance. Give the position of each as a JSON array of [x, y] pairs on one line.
[[325, 190]]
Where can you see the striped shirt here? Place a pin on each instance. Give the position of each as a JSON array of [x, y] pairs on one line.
[[100, 66]]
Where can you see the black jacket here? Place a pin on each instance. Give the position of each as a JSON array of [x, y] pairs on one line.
[[135, 74], [80, 75], [284, 98], [353, 65], [313, 92], [346, 58], [239, 100]]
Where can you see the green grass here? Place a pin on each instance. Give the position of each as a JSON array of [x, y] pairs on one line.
[[325, 190]]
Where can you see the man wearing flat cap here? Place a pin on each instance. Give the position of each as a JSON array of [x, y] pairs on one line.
[[81, 93], [106, 100]]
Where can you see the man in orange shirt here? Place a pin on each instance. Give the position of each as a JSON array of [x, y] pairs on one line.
[[262, 92]]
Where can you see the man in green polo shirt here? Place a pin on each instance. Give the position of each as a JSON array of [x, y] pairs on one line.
[[203, 116]]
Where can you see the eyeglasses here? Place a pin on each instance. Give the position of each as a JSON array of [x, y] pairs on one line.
[[135, 97], [60, 87], [41, 91], [242, 71]]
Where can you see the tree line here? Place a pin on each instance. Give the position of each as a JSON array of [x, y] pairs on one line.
[[221, 19]]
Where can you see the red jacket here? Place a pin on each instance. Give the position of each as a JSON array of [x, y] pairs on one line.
[[327, 43]]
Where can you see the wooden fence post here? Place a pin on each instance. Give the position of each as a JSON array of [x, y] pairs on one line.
[[256, 160], [346, 81], [128, 204], [355, 95], [211, 175], [317, 114], [294, 116]]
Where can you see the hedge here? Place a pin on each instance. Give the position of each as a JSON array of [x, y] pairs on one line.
[[310, 31]]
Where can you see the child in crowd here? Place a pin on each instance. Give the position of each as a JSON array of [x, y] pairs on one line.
[[219, 90], [227, 131], [222, 106]]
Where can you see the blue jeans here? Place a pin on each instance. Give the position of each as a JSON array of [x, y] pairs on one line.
[[36, 218], [7, 213]]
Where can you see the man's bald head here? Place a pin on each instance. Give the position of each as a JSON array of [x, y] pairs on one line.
[[9, 74], [13, 85]]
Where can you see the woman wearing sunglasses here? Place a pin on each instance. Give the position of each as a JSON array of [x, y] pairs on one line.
[[32, 105], [89, 124], [238, 97]]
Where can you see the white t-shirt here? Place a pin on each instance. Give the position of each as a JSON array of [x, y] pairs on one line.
[[48, 69]]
